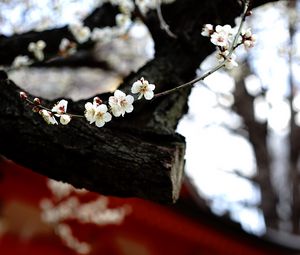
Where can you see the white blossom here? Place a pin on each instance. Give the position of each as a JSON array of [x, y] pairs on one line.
[[222, 36], [90, 110], [123, 20], [126, 6], [21, 61], [231, 62], [248, 39], [120, 103], [226, 29], [37, 48], [65, 119], [48, 117], [207, 30], [60, 107], [101, 115], [67, 47], [80, 32], [143, 87]]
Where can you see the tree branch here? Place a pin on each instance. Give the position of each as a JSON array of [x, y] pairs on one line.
[[15, 45], [139, 155]]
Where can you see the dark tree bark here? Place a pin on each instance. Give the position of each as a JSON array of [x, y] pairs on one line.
[[139, 155], [294, 131]]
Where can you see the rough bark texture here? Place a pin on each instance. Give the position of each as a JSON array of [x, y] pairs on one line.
[[139, 155]]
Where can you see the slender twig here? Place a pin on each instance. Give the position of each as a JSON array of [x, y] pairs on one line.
[[163, 23], [192, 81], [219, 66]]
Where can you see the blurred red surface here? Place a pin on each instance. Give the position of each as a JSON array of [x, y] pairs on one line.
[[149, 229]]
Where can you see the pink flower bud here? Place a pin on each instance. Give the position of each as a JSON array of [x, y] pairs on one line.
[[249, 13], [37, 101], [35, 109], [23, 95], [97, 100]]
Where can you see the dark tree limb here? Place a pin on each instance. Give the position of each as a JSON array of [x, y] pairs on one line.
[[294, 136], [12, 46], [83, 58], [139, 155]]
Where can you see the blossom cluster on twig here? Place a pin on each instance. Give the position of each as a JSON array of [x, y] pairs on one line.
[[95, 112], [224, 37]]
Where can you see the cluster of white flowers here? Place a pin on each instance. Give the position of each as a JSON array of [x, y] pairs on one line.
[[103, 35], [119, 103], [66, 47], [37, 48], [59, 110], [223, 38], [123, 21], [143, 87], [48, 117], [248, 39], [96, 112], [80, 32]]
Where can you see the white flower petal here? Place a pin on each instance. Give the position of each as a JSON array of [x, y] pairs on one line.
[[65, 119], [149, 95], [119, 93], [129, 108], [112, 101], [151, 86], [100, 123], [101, 108], [136, 87], [88, 106], [129, 99], [116, 111], [107, 117]]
